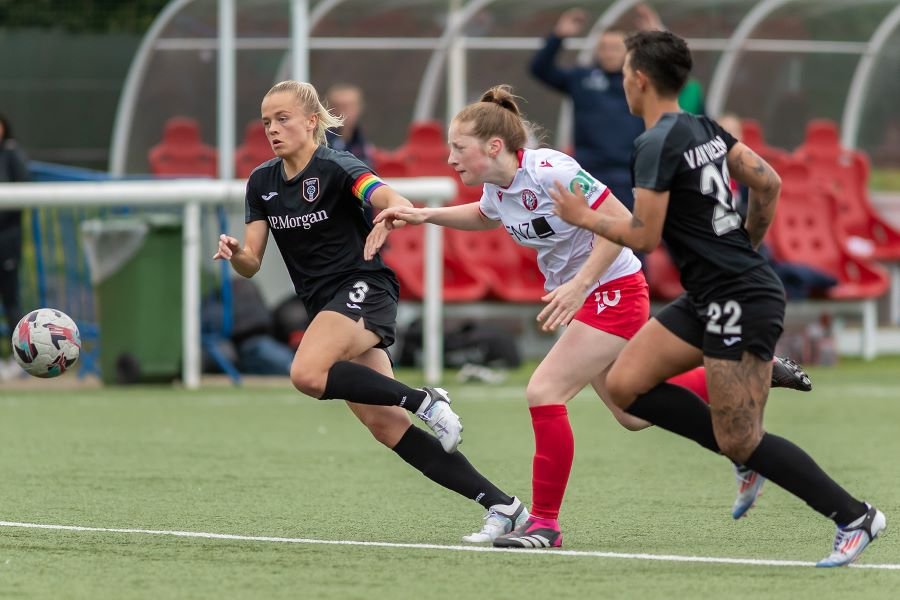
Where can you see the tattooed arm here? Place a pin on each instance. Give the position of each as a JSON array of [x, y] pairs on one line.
[[640, 231], [765, 185]]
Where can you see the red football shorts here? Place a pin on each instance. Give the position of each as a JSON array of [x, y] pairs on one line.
[[619, 307]]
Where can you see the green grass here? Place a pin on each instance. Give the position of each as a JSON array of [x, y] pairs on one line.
[[885, 179], [264, 461]]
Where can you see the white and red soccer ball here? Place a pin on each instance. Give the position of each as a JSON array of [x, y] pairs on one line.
[[46, 342]]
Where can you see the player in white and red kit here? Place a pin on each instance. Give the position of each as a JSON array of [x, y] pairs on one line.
[[593, 285]]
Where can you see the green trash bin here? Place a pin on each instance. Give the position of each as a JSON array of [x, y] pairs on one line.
[[136, 269]]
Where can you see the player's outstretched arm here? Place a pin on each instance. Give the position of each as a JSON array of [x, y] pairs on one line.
[[245, 260], [749, 168], [640, 231], [463, 216]]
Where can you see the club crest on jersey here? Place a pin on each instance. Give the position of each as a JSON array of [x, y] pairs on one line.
[[310, 189], [529, 199]]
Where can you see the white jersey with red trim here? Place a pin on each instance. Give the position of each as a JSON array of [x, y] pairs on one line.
[[526, 210]]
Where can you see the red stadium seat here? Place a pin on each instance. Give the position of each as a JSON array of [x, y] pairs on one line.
[[822, 142], [663, 276], [253, 151], [426, 134], [390, 164], [752, 136], [843, 174], [181, 151], [404, 253], [510, 270], [425, 149], [803, 231]]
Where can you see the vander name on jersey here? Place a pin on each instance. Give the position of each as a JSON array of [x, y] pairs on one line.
[[293, 222], [706, 152]]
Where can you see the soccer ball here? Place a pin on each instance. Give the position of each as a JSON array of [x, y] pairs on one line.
[[46, 342]]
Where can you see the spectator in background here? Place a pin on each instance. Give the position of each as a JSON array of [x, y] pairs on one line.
[[12, 168], [604, 129], [346, 101]]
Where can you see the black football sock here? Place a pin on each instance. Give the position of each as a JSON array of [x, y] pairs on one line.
[[790, 467], [356, 383], [678, 410], [453, 471]]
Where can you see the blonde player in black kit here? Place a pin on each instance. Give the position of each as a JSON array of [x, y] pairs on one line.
[[732, 312], [311, 198]]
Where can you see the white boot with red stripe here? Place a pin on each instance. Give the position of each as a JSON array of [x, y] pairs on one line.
[[852, 539]]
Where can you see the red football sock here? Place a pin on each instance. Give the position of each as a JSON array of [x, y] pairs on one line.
[[554, 449], [694, 380]]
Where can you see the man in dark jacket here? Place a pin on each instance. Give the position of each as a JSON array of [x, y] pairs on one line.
[[604, 129]]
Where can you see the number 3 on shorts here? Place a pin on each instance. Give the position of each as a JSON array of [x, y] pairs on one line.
[[360, 288], [731, 310]]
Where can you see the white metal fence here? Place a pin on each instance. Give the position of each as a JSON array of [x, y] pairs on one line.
[[191, 194]]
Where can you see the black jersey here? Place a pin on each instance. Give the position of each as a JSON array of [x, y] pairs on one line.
[[317, 220], [685, 155]]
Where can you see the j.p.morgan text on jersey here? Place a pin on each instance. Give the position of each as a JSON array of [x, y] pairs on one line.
[[290, 222]]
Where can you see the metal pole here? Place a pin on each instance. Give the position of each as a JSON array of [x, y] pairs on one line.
[[226, 89], [190, 308], [724, 72], [432, 319], [862, 79], [456, 66], [300, 40], [122, 123]]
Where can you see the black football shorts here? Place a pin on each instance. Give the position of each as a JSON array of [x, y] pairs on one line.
[[367, 299], [745, 318]]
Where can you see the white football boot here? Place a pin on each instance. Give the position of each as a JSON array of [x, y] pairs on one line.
[[438, 415], [852, 539], [749, 484], [499, 519]]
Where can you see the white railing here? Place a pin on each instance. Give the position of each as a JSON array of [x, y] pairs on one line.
[[191, 194]]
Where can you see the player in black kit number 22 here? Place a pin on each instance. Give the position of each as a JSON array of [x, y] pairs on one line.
[[732, 311], [311, 198]]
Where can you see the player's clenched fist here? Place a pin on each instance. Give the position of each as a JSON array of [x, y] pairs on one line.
[[228, 247]]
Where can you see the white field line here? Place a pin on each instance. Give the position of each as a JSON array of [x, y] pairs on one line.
[[575, 553]]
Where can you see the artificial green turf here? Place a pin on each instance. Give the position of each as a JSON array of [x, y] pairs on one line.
[[266, 461]]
